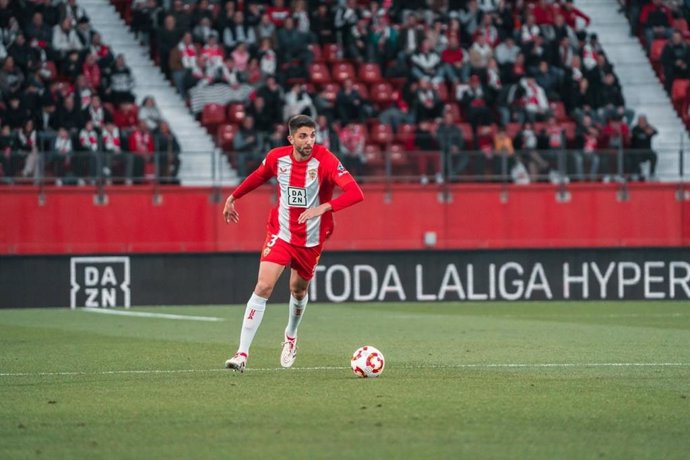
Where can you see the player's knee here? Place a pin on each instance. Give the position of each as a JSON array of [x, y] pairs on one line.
[[263, 289], [298, 293]]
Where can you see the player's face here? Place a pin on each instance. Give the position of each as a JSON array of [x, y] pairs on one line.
[[303, 142]]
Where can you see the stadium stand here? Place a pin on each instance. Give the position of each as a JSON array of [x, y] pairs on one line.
[[529, 67]]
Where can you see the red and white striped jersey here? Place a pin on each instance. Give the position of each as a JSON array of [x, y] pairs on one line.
[[302, 185]]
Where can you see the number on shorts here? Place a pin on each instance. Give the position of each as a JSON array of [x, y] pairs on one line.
[[272, 241]]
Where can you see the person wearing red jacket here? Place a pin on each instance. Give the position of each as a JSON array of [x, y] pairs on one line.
[[298, 226]]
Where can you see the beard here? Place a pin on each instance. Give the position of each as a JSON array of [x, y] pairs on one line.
[[304, 151]]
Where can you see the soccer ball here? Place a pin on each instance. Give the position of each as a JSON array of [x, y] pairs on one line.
[[367, 362]]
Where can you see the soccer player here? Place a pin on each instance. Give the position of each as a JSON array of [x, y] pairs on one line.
[[299, 224]]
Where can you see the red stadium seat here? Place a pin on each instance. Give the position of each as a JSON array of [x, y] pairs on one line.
[[370, 72], [656, 49], [679, 90], [225, 136], [405, 133], [316, 52], [681, 25], [376, 163], [442, 90], [381, 134], [331, 52], [558, 109], [236, 112], [342, 71], [318, 73], [361, 89], [329, 91], [400, 162], [467, 134], [212, 115], [381, 94]]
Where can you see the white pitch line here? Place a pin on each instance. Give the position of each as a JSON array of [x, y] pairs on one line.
[[143, 314], [338, 368]]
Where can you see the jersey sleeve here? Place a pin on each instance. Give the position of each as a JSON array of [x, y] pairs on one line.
[[352, 193], [260, 176]]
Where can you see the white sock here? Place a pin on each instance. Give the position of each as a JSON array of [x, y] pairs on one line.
[[253, 315], [295, 314]]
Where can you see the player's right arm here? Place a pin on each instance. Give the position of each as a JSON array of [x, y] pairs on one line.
[[259, 177]]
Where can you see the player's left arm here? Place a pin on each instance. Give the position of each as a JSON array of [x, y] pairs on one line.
[[352, 194]]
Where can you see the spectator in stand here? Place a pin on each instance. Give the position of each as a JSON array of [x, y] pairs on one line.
[[263, 122], [278, 13], [65, 38], [167, 154], [143, 12], [506, 54], [268, 60], [97, 114], [298, 101], [61, 155], [396, 113], [38, 32], [470, 18], [436, 36], [167, 38], [410, 37], [149, 113], [323, 24], [555, 145], [112, 152], [293, 45], [272, 94], [237, 31], [488, 30], [675, 59], [426, 64], [451, 143], [549, 79], [84, 32], [480, 55], [656, 20], [527, 142], [327, 135], [503, 158], [225, 18], [357, 46], [573, 16], [587, 142], [428, 158], [70, 67], [27, 149], [126, 116], [428, 105], [516, 72], [612, 101], [352, 139], [142, 147], [8, 154], [246, 146], [121, 82], [87, 156], [188, 55], [11, 77], [241, 57], [266, 28], [202, 10], [617, 133], [530, 30], [383, 42], [583, 101], [349, 104], [203, 30], [183, 18], [641, 145], [454, 62], [473, 99], [92, 71], [536, 104], [69, 115], [102, 51], [214, 54]]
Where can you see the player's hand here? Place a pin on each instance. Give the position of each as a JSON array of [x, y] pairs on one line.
[[229, 212], [313, 212]]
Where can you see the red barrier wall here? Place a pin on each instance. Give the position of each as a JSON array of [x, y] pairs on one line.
[[391, 217]]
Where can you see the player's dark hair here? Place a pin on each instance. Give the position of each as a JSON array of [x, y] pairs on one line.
[[300, 121]]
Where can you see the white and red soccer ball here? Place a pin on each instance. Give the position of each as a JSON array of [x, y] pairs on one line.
[[367, 361]]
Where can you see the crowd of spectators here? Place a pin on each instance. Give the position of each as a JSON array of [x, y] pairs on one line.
[[662, 28], [525, 76], [67, 108]]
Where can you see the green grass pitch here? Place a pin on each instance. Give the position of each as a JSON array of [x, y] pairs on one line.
[[462, 380]]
